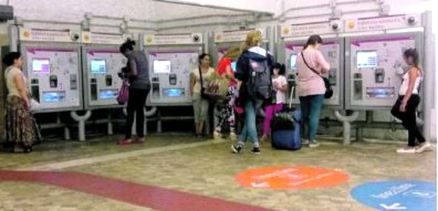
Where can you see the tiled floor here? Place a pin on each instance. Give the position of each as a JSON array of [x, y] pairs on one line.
[[206, 169]]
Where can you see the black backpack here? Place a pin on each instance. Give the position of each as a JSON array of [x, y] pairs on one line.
[[259, 83]]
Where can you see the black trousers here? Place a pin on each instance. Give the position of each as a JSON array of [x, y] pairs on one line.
[[136, 103], [409, 119]]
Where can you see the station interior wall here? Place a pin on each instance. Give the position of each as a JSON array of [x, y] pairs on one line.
[[149, 16]]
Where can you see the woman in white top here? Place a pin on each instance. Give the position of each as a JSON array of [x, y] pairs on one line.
[[279, 84], [407, 103], [200, 105], [21, 129]]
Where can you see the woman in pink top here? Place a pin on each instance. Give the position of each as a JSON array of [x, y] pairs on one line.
[[310, 86]]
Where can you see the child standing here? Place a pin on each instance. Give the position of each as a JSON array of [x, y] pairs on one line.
[[279, 83]]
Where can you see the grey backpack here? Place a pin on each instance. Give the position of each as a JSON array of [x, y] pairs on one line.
[[259, 84]]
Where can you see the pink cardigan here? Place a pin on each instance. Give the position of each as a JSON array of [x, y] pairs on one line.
[[308, 82]]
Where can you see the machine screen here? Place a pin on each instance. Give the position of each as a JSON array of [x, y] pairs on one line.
[[53, 97], [162, 66], [173, 92], [234, 66], [293, 61], [366, 59], [41, 65], [107, 94], [98, 66]]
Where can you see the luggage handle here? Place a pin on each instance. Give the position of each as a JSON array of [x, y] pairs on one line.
[[290, 97]]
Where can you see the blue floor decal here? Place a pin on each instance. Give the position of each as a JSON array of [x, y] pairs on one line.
[[397, 195]]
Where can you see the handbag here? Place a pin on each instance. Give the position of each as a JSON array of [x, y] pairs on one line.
[[328, 87], [214, 90], [123, 95]]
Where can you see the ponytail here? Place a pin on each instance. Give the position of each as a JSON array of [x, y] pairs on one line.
[[412, 52], [127, 45], [253, 38], [281, 68]]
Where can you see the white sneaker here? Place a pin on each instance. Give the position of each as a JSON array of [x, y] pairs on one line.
[[313, 144], [217, 135], [426, 146], [305, 142], [406, 150]]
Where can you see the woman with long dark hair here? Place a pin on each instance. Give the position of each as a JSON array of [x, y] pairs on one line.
[[21, 129], [406, 105], [139, 85], [310, 87], [279, 84], [200, 105]]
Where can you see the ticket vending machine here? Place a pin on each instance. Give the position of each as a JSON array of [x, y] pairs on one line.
[[52, 67], [372, 61], [171, 58], [221, 41], [102, 62], [293, 39]]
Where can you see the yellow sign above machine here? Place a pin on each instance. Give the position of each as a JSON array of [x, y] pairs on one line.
[[48, 35], [382, 23], [307, 29], [233, 36], [103, 38], [173, 39]]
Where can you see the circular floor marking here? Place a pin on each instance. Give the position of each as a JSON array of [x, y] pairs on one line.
[[290, 177], [397, 195]]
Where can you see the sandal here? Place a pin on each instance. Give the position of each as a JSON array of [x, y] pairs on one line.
[[18, 149], [28, 150]]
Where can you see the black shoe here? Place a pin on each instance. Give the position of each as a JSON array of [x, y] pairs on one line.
[[236, 148], [256, 150]]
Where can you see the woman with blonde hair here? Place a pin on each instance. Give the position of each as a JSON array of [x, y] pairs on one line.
[[253, 57], [225, 111]]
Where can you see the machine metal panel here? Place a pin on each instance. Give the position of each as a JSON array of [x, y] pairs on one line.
[[372, 79], [332, 49], [170, 68], [171, 58], [101, 65], [54, 75]]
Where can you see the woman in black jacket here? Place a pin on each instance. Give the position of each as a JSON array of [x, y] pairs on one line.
[[251, 58]]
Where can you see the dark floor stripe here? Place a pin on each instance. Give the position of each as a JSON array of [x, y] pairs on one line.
[[138, 194]]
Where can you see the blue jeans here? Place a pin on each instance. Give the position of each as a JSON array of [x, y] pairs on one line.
[[311, 109], [249, 129]]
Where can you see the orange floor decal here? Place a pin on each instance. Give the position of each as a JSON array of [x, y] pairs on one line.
[[291, 177]]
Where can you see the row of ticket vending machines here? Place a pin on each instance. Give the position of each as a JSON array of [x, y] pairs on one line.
[[364, 55]]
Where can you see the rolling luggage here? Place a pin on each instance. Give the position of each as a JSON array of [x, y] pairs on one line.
[[285, 127]]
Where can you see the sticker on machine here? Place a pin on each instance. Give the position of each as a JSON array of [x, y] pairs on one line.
[[397, 195], [291, 177]]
